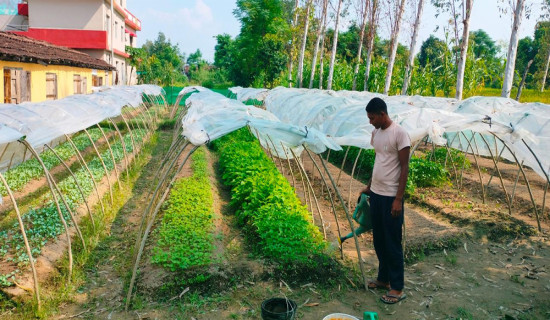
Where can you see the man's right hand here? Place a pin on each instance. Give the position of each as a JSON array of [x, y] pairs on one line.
[[366, 190]]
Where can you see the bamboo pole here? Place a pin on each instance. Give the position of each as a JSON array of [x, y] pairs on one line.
[[350, 223], [499, 174], [148, 228], [351, 178], [323, 179], [76, 182], [342, 166], [56, 201], [289, 166], [112, 155], [123, 148], [312, 192], [526, 181], [83, 163], [478, 169], [107, 173], [25, 240]]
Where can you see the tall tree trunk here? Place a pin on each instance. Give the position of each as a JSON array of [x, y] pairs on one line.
[[291, 55], [299, 76], [370, 42], [320, 33], [414, 39], [334, 45], [322, 60], [545, 71], [361, 37], [463, 50], [522, 83], [512, 51], [393, 45]]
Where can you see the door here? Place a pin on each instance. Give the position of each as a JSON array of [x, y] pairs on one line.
[[7, 86], [51, 86]]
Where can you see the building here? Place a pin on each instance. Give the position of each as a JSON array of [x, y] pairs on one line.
[[99, 28], [35, 70]]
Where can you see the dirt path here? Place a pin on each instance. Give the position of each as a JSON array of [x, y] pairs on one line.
[[479, 280], [102, 296]]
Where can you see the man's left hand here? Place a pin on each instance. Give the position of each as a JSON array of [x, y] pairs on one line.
[[396, 208]]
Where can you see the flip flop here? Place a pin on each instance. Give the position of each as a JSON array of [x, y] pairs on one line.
[[399, 298], [375, 285]]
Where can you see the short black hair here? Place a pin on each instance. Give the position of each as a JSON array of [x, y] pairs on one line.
[[376, 105]]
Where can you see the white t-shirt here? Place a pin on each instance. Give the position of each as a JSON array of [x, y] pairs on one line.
[[386, 171]]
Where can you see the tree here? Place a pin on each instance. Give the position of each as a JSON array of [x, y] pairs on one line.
[[263, 27], [484, 47], [432, 50], [137, 58], [463, 48], [373, 21], [334, 46], [542, 58], [410, 62], [526, 55], [320, 36], [303, 47], [224, 51], [161, 62], [364, 12], [518, 10], [546, 15], [396, 25]]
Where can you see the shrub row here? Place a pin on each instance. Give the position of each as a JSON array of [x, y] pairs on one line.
[[277, 225], [185, 235], [423, 172]]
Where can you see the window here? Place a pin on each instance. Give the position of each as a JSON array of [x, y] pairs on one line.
[[97, 81], [51, 86]]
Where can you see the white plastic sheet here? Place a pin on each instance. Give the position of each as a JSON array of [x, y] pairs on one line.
[[44, 122], [210, 115], [341, 115]]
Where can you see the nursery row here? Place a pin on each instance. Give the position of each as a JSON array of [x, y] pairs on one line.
[[44, 224], [185, 235], [276, 224]]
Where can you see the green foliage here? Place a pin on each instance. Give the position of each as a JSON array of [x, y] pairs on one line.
[[425, 173], [185, 235], [43, 224], [158, 62], [447, 159], [29, 170], [277, 225]]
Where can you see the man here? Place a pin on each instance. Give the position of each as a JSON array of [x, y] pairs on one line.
[[386, 189]]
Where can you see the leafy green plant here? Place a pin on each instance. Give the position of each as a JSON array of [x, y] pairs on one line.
[[43, 224], [185, 236], [425, 173], [277, 225], [447, 159]]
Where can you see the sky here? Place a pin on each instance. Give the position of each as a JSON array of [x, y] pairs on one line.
[[193, 24]]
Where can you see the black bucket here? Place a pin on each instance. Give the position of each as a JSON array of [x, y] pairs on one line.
[[278, 309]]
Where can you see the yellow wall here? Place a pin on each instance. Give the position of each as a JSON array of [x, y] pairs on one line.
[[65, 85]]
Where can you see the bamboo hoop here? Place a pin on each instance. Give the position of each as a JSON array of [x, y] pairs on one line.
[[56, 201], [25, 240]]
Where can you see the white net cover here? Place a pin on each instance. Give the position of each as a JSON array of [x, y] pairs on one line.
[[45, 122]]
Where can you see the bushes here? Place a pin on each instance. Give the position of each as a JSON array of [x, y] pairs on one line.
[[185, 235], [277, 225], [454, 157]]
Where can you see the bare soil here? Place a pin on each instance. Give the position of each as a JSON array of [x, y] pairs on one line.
[[470, 261]]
